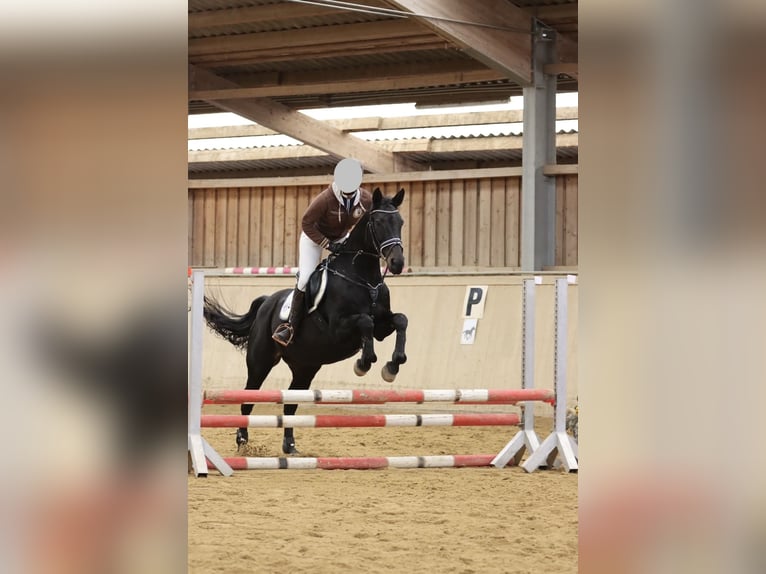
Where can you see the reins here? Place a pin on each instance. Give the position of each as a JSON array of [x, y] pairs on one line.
[[379, 246]]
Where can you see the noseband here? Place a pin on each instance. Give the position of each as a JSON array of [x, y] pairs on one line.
[[381, 245]]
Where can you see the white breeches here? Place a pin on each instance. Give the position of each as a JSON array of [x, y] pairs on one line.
[[309, 256]]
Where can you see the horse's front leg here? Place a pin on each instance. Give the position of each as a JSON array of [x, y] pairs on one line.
[[395, 322], [365, 326]]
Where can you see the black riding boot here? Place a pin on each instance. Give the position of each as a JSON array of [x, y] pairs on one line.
[[285, 332]]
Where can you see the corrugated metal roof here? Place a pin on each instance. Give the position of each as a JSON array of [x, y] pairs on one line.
[[220, 20], [325, 164], [435, 133], [280, 53]]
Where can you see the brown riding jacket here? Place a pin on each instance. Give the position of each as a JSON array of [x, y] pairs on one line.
[[326, 218]]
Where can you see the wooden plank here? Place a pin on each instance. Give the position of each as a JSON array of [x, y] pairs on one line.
[[362, 84], [198, 229], [383, 154], [278, 231], [243, 228], [314, 36], [341, 48], [366, 179], [219, 256], [266, 258], [291, 227], [313, 132], [470, 222], [457, 219], [485, 221], [569, 68], [512, 221], [302, 200], [406, 210], [508, 52], [561, 169], [254, 232], [208, 259], [248, 15], [396, 123], [232, 226], [560, 225], [429, 223], [443, 223], [497, 238], [415, 223], [571, 212]]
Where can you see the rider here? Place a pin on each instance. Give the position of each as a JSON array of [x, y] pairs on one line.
[[326, 222]]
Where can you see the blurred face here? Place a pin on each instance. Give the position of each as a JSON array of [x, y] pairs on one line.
[[348, 175]]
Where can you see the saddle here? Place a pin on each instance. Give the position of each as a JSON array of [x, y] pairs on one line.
[[315, 290]]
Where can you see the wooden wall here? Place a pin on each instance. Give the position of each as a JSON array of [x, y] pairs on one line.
[[448, 223]]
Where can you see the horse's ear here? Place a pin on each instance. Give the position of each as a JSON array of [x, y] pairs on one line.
[[377, 195], [398, 198]]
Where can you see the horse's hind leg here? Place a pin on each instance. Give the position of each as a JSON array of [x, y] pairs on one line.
[[302, 377], [261, 358]]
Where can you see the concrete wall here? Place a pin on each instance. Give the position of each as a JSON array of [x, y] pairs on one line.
[[436, 359]]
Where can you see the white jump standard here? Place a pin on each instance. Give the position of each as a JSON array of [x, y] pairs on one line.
[[558, 445], [558, 442]]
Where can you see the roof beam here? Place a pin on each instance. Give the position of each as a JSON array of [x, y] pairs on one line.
[[313, 37], [354, 80], [554, 12], [425, 41], [315, 133], [381, 123], [567, 69], [259, 181], [509, 52], [256, 14], [397, 146]]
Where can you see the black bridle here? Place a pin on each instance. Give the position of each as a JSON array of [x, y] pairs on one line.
[[381, 245]]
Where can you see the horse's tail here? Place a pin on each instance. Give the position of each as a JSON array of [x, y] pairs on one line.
[[232, 327]]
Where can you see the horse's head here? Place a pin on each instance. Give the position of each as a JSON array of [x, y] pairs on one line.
[[385, 224]]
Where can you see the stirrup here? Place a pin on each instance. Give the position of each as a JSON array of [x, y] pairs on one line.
[[280, 330]]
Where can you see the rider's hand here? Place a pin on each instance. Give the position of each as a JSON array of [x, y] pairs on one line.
[[335, 247]]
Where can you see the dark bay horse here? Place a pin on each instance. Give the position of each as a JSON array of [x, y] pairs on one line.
[[355, 308]]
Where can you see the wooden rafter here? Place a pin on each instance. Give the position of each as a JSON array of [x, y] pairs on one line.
[[397, 146], [346, 81], [382, 123], [287, 121], [256, 14], [322, 36], [509, 52]]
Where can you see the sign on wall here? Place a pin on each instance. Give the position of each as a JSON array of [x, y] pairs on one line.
[[473, 310]]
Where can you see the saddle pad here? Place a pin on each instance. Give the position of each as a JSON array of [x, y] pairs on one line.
[[284, 312], [315, 293], [317, 287]]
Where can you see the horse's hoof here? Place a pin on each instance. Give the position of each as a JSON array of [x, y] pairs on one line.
[[358, 371], [241, 439], [387, 375]]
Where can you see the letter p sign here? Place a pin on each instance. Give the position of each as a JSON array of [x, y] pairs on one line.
[[473, 306]]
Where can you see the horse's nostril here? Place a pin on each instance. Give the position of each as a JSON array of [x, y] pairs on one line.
[[396, 266]]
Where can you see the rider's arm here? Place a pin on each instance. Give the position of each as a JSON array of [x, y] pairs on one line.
[[316, 212]]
